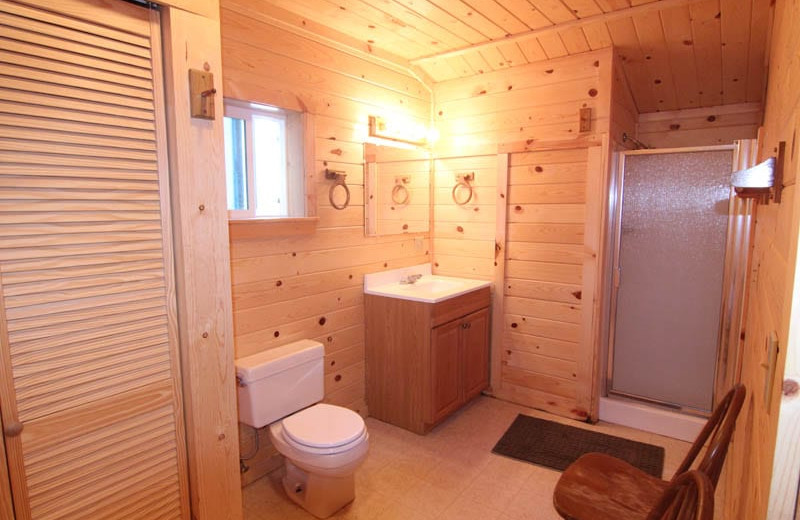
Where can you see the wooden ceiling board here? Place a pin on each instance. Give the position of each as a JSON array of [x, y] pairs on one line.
[[461, 67], [597, 35], [532, 50], [758, 53], [512, 54], [735, 41], [472, 17], [439, 17], [626, 42], [706, 35], [583, 8], [676, 54], [499, 15], [396, 13], [477, 62], [527, 13], [554, 10], [613, 5], [381, 26], [575, 41], [342, 20], [494, 58], [678, 33], [439, 69], [656, 59], [553, 46]]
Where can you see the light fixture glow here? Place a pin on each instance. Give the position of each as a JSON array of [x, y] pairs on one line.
[[398, 131]]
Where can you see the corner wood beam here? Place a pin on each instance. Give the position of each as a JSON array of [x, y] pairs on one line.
[[600, 18]]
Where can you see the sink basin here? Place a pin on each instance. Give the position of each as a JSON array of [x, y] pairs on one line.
[[429, 288]]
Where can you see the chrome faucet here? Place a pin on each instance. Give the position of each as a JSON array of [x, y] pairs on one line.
[[411, 278]]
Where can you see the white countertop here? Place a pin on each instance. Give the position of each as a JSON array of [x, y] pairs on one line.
[[428, 288]]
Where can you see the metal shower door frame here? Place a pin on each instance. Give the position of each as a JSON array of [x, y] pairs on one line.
[[616, 195]]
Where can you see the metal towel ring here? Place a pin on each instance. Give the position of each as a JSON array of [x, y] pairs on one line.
[[338, 180], [463, 181], [400, 194]]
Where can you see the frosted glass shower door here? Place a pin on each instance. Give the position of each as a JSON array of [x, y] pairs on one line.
[[670, 260]]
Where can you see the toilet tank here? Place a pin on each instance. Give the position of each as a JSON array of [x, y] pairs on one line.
[[280, 381]]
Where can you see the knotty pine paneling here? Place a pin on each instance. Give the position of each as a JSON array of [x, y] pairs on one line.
[[546, 203], [746, 479], [310, 286], [700, 126]]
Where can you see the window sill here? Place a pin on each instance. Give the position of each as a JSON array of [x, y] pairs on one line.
[[248, 228]]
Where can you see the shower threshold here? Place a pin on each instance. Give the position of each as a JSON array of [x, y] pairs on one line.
[[651, 418]]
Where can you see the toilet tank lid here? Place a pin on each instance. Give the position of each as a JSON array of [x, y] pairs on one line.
[[269, 362]]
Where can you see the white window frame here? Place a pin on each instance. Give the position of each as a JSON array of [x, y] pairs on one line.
[[294, 153]]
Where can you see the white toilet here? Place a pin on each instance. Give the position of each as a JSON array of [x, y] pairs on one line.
[[323, 444]]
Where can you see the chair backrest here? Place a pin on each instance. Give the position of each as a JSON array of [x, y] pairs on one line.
[[719, 429], [690, 496]]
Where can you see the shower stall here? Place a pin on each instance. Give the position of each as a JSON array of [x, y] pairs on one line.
[[673, 246]]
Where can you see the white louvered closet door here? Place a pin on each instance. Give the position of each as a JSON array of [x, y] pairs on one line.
[[90, 390]]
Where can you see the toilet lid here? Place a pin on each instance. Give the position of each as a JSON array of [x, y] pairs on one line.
[[323, 426]]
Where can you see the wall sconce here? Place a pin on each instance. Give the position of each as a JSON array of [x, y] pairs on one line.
[[761, 180], [382, 129]]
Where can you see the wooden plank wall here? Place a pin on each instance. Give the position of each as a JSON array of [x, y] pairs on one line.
[[521, 109], [700, 126], [544, 279], [531, 103], [289, 288], [749, 467], [538, 101]]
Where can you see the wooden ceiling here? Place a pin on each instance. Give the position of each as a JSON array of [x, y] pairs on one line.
[[677, 54]]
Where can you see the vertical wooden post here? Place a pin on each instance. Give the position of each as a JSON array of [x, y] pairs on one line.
[[589, 344], [498, 312], [200, 224]]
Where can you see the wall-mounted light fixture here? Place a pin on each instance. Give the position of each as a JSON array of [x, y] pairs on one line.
[[393, 131]]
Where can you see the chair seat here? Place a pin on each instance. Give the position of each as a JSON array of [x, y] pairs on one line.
[[622, 492]]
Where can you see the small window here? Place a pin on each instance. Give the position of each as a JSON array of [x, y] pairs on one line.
[[263, 161]]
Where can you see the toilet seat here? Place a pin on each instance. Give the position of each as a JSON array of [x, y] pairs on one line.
[[324, 429]]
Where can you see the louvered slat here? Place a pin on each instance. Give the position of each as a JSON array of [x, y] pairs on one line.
[[84, 273]]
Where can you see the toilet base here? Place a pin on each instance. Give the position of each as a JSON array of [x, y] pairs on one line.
[[320, 495]]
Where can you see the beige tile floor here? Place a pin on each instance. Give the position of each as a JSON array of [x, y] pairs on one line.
[[449, 474]]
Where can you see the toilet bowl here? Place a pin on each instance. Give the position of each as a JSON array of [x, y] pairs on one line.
[[321, 458], [323, 444]]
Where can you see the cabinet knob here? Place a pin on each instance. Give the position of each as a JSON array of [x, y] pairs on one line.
[[13, 428], [466, 325]]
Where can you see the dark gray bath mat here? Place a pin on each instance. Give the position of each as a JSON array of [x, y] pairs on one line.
[[557, 445]]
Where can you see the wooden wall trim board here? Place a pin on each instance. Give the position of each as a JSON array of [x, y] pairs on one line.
[[498, 298], [202, 259], [159, 101]]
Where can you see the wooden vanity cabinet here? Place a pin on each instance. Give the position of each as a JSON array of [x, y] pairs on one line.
[[425, 360]]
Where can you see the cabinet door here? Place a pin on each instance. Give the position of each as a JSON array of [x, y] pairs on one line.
[[445, 384], [475, 352]]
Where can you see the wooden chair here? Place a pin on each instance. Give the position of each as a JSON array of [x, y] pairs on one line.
[[599, 487]]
